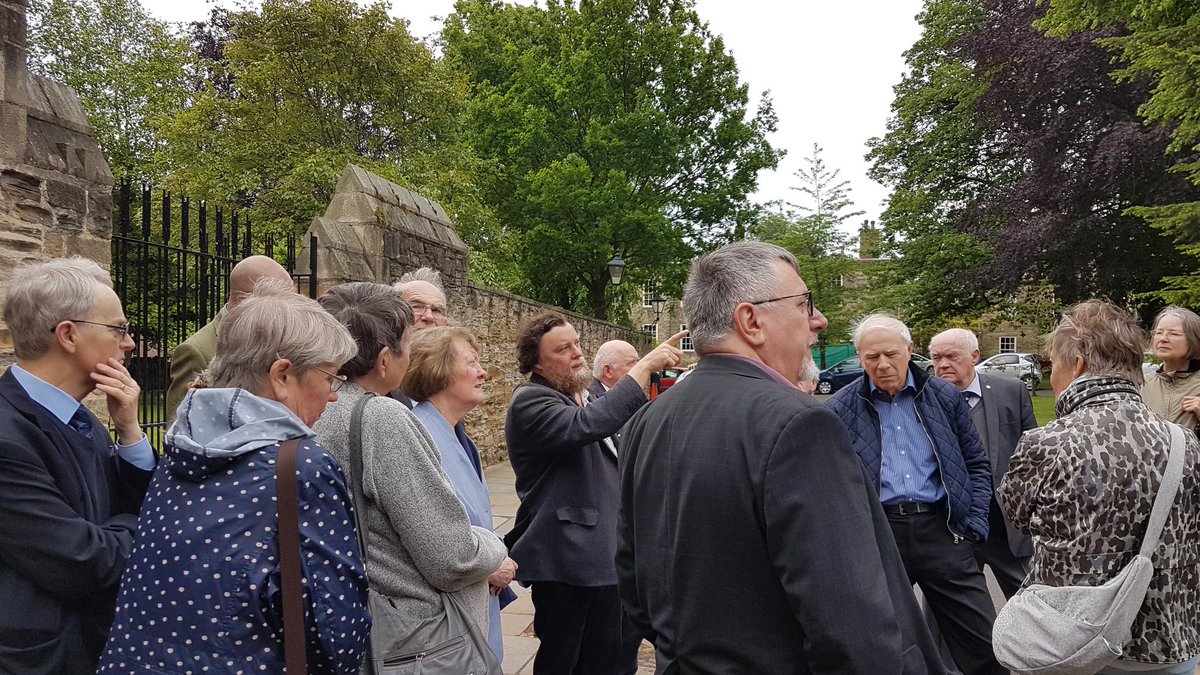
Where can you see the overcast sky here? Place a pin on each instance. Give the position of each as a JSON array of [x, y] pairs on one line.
[[829, 66]]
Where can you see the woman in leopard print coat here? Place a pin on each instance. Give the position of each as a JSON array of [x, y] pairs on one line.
[[1082, 487]]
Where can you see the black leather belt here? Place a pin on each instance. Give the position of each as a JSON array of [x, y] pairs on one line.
[[912, 508]]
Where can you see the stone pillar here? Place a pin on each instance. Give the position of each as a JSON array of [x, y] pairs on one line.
[[55, 186]]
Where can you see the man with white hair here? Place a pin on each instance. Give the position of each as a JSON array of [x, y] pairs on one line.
[[194, 354], [422, 289], [69, 496], [612, 362], [750, 541], [1002, 411], [914, 436]]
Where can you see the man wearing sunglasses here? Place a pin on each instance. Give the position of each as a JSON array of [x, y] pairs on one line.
[[70, 496]]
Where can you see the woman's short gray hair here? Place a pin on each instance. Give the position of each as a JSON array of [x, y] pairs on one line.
[[721, 280], [1191, 328], [276, 323], [43, 295], [879, 322], [1107, 337]]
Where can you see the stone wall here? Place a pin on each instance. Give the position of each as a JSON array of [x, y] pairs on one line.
[[55, 187], [376, 231]]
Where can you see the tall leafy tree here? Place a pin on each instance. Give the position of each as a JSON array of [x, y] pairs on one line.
[[128, 68], [296, 89], [1056, 156], [615, 127], [1159, 41]]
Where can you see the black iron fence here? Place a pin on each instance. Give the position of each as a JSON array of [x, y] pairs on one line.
[[170, 266]]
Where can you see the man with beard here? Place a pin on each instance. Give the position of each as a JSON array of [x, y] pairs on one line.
[[565, 461]]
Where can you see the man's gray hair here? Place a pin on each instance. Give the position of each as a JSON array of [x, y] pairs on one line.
[[426, 274], [957, 336], [879, 322], [606, 354], [721, 280], [43, 295], [276, 322]]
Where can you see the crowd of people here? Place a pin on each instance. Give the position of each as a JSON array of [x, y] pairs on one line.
[[737, 523]]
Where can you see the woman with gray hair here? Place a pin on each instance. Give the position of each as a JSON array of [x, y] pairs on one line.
[[420, 543], [202, 590], [1173, 389], [1083, 485]]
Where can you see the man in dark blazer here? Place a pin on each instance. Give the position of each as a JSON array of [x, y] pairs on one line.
[[1002, 411], [69, 496], [612, 362], [750, 541], [565, 461]]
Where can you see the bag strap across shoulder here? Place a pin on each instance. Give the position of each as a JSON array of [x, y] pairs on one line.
[[360, 507], [295, 656], [1166, 491]]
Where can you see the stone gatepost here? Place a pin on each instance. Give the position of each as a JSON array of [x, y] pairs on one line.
[[55, 187]]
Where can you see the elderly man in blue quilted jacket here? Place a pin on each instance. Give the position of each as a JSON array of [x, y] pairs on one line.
[[914, 436]]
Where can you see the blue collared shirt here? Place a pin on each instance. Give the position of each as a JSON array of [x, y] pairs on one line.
[[908, 469], [63, 406]]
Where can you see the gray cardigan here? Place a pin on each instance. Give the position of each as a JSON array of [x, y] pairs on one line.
[[420, 539]]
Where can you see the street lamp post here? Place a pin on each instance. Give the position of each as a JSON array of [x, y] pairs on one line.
[[616, 269]]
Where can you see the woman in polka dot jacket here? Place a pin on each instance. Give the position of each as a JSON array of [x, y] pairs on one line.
[[201, 592]]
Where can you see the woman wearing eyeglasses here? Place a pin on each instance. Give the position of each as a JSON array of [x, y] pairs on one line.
[[421, 546], [1173, 390], [201, 590]]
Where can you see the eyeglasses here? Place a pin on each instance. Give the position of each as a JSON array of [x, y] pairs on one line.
[[1172, 334], [336, 382], [807, 295], [419, 308], [120, 331]]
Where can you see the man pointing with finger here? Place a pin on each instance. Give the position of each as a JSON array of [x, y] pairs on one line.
[[565, 460]]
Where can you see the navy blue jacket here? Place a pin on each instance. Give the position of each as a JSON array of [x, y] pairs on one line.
[[961, 457]]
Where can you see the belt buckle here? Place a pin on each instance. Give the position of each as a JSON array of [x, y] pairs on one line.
[[902, 508]]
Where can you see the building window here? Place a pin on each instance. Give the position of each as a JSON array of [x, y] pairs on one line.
[[647, 293], [686, 343], [1008, 345], [651, 329]]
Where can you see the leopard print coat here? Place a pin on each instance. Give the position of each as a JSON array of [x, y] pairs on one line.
[[1082, 487]]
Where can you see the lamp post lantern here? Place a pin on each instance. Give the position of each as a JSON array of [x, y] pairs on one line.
[[616, 269]]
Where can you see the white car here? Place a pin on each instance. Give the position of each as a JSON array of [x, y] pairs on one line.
[[1024, 367]]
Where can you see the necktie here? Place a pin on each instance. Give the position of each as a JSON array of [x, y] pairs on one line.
[[81, 422], [969, 397]]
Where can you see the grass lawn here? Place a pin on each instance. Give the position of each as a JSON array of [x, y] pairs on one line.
[[1043, 409]]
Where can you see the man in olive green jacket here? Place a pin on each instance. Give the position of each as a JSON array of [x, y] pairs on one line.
[[194, 354]]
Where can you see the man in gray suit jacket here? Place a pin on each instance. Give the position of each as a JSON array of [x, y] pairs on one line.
[[565, 461], [1002, 411], [750, 539]]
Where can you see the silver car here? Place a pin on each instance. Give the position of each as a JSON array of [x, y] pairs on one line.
[[1023, 367]]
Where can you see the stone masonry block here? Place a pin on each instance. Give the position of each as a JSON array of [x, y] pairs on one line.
[[18, 186], [64, 195], [13, 131]]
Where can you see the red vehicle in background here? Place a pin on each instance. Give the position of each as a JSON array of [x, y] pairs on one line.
[[665, 379]]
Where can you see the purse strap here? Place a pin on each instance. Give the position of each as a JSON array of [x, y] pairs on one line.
[[295, 656], [1166, 491], [360, 506]]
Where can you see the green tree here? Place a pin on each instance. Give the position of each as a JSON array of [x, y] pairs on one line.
[[614, 126], [129, 69], [1162, 43], [304, 87]]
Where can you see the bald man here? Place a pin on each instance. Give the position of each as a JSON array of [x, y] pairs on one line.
[[194, 354], [612, 362]]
